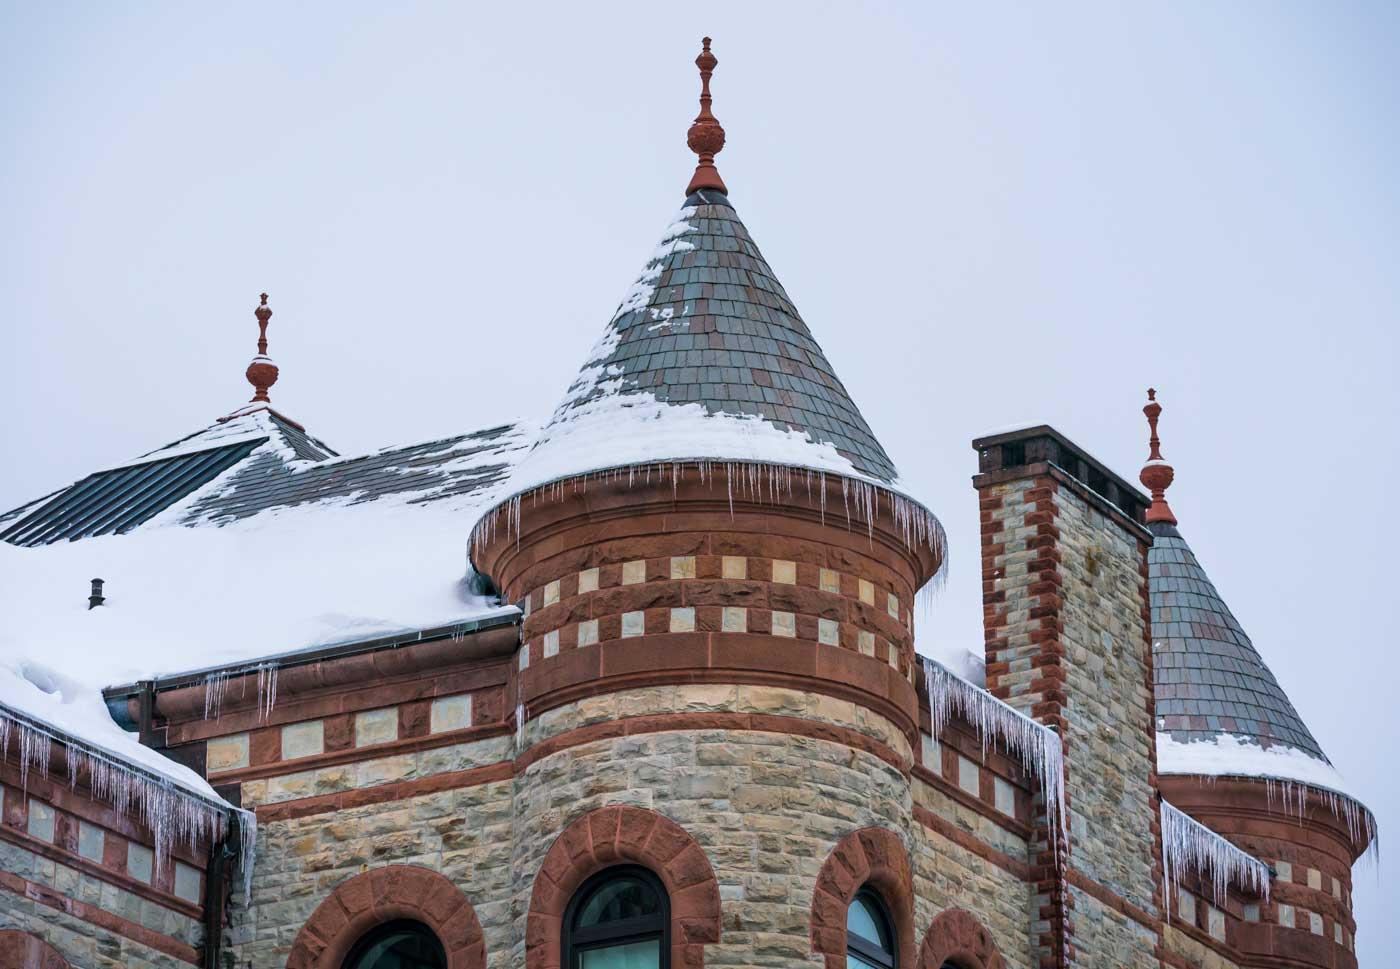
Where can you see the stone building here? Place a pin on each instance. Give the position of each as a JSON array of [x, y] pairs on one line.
[[639, 688]]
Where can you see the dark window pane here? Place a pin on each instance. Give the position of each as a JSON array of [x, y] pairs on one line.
[[398, 947], [618, 900]]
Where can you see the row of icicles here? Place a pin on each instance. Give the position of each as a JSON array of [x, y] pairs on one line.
[[171, 813]]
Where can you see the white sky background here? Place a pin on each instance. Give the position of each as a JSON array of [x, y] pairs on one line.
[[985, 216]]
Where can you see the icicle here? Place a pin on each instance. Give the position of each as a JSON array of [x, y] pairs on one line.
[[519, 727], [267, 689], [758, 481], [172, 814], [1189, 845], [214, 685], [1035, 745]]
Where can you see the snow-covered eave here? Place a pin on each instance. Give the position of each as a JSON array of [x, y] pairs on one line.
[[761, 479], [507, 615], [89, 749], [1288, 773]]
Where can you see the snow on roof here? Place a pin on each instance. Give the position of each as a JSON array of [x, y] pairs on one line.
[[277, 554], [706, 360], [254, 425], [1290, 770], [72, 708], [1228, 755]]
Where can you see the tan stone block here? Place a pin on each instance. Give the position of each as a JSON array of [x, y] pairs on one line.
[[588, 580], [784, 624], [226, 753], [867, 591], [784, 571], [551, 592], [829, 580], [588, 632], [734, 567], [683, 620], [634, 573], [735, 620], [682, 566], [376, 726], [450, 713], [305, 739]]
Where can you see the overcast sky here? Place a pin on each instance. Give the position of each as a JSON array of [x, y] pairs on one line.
[[986, 215]]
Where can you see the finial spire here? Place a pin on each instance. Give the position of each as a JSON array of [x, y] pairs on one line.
[[706, 136], [1157, 474], [262, 372]]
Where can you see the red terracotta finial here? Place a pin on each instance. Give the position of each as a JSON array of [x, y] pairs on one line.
[[706, 136], [1156, 474], [262, 372]]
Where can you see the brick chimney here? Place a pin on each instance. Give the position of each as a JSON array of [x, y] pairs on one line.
[[1068, 642]]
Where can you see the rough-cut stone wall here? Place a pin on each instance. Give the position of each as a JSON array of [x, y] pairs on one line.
[[84, 879], [1108, 687], [767, 805], [461, 832]]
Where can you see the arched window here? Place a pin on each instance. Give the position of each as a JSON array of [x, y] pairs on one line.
[[619, 919], [869, 933], [398, 945]]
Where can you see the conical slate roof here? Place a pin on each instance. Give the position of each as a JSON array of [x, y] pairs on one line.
[[1210, 680], [707, 358]]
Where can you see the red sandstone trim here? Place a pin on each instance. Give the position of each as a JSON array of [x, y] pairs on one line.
[[729, 658], [92, 914], [382, 793], [944, 786], [719, 720], [610, 836], [970, 842], [21, 950], [112, 876], [381, 895], [607, 730], [406, 745], [956, 936], [869, 856]]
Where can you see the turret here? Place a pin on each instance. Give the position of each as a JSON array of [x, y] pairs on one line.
[[1233, 752]]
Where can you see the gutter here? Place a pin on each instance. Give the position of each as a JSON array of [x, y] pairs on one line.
[[118, 698]]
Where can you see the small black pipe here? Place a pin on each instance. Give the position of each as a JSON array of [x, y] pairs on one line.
[[96, 598], [216, 892]]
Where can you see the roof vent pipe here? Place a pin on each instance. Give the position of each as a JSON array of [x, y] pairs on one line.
[[96, 598]]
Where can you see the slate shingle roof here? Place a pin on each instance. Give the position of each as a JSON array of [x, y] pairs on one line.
[[461, 465], [260, 462], [1209, 677], [718, 329]]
